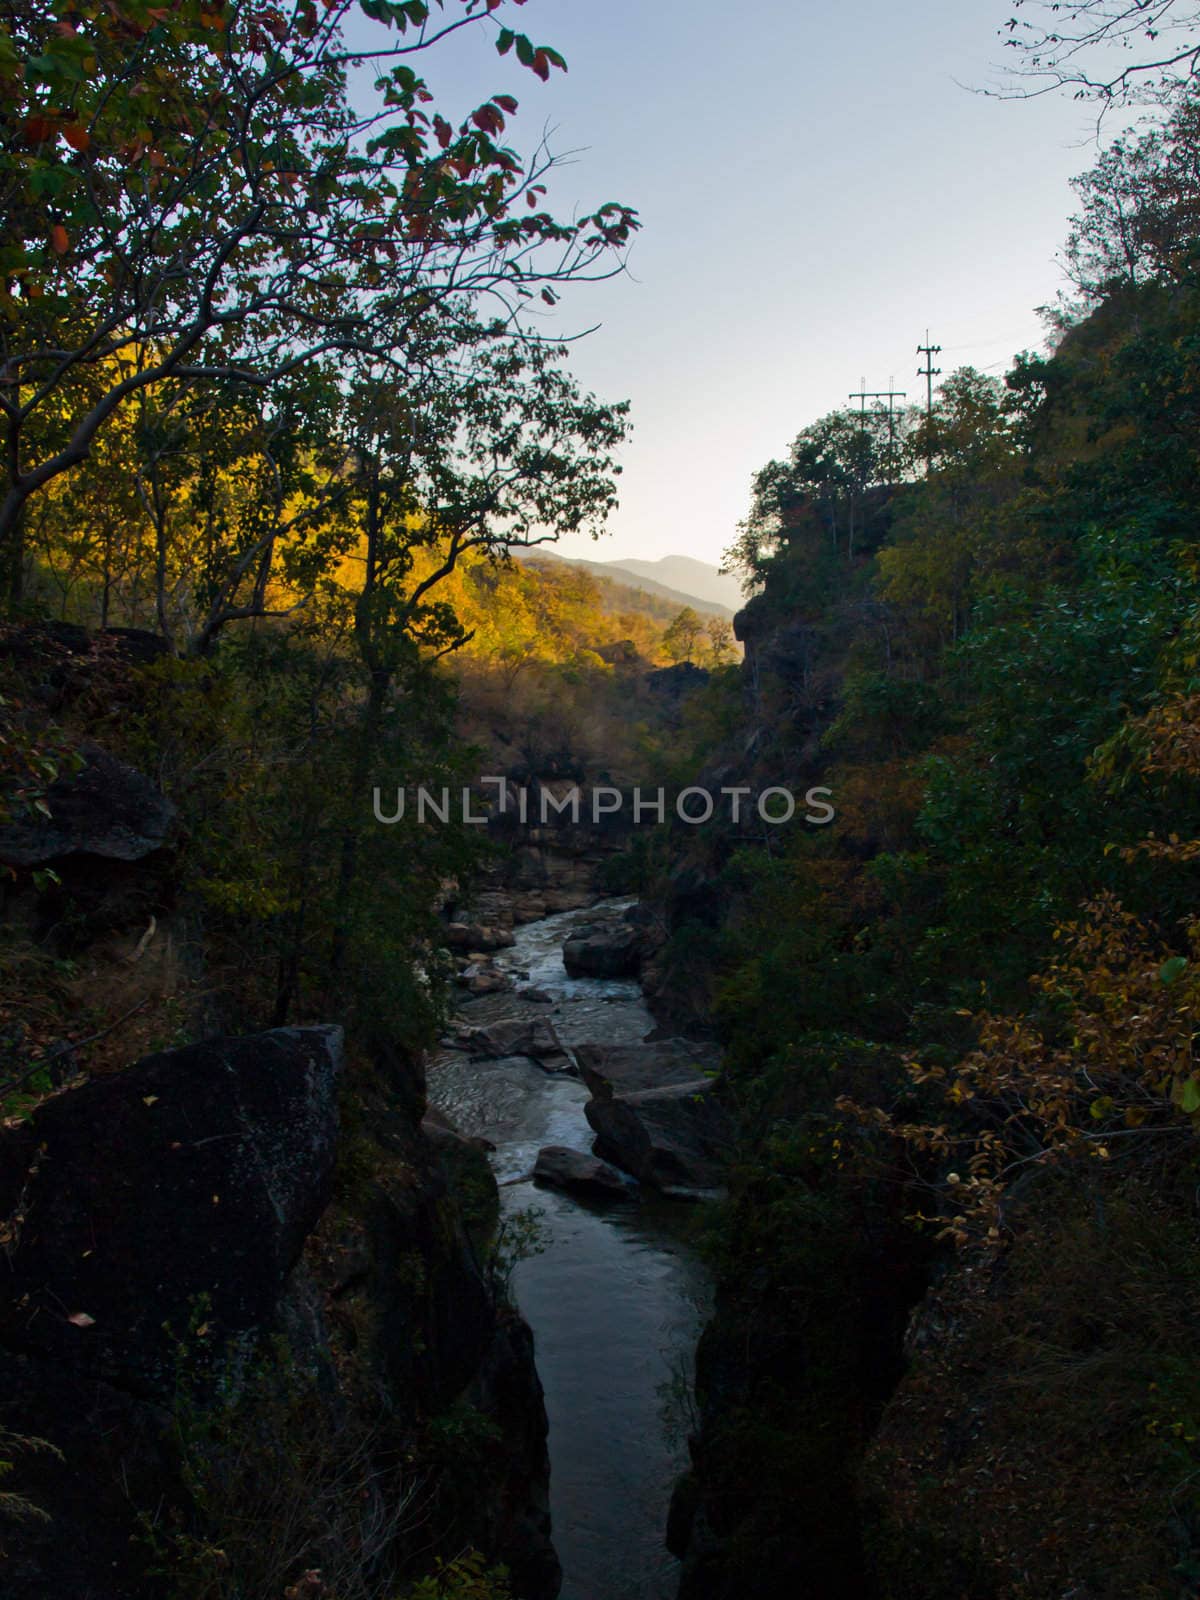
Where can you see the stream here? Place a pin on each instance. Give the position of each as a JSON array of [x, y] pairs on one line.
[[617, 1297]]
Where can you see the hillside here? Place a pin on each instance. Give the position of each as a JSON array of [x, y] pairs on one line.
[[641, 576], [686, 575]]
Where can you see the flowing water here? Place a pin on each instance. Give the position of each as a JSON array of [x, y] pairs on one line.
[[616, 1299]]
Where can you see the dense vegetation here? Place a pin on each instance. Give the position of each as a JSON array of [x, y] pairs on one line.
[[275, 417], [274, 410], [961, 1019]]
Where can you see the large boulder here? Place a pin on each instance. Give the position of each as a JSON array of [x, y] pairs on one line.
[[183, 1188], [628, 1068], [106, 809], [153, 1221], [516, 1036], [609, 949], [484, 977], [578, 1173], [676, 1139]]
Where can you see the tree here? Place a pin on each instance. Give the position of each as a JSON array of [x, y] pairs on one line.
[[194, 192], [948, 531], [720, 640], [495, 448], [1086, 45], [682, 637], [1140, 213], [832, 468]]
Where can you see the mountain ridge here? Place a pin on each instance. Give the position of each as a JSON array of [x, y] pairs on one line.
[[637, 574]]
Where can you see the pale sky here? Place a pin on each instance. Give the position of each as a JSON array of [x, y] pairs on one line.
[[817, 185]]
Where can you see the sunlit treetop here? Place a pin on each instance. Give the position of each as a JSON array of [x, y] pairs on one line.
[[192, 185]]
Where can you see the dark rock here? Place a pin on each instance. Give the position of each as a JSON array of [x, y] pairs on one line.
[[106, 809], [506, 1389], [628, 1068], [481, 977], [673, 682], [440, 1131], [535, 996], [192, 1179], [474, 936], [438, 1339], [681, 1516], [568, 899], [603, 950], [675, 1139], [57, 660], [578, 1173], [528, 908], [535, 1038], [181, 1189]]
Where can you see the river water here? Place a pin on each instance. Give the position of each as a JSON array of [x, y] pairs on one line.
[[617, 1297]]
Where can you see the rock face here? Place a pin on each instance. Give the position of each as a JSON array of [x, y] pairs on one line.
[[193, 1177], [440, 1340], [608, 949], [183, 1188], [175, 1211], [578, 1173], [107, 809], [674, 1139]]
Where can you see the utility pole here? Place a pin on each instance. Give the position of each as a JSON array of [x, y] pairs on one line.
[[891, 395], [929, 372]]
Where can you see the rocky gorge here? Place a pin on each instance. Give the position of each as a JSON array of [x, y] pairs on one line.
[[236, 1296], [601, 1132]]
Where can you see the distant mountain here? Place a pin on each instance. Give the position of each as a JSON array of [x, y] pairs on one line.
[[689, 576], [652, 577]]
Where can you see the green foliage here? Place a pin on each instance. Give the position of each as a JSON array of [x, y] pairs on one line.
[[14, 1506], [997, 676], [682, 638], [278, 1481], [468, 1577], [162, 165], [520, 1236]]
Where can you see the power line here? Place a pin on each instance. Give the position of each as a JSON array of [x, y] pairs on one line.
[[890, 395], [929, 372]]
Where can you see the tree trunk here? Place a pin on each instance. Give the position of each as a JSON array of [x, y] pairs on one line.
[[368, 734]]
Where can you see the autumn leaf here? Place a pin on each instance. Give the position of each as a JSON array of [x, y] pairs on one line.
[[58, 238]]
